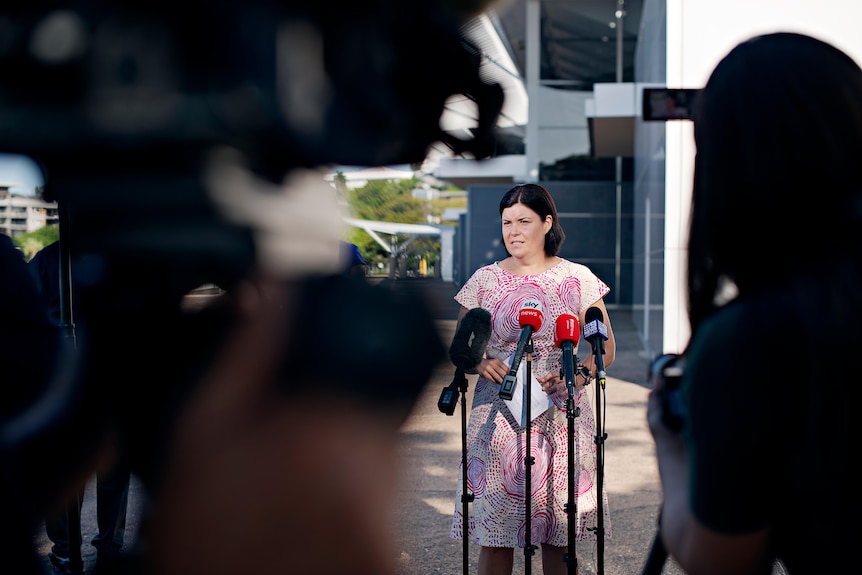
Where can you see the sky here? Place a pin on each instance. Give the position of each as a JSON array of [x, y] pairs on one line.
[[20, 171]]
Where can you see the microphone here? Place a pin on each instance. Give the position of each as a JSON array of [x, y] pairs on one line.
[[530, 319], [566, 335], [466, 352], [596, 332]]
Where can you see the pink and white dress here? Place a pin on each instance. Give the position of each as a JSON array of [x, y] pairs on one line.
[[496, 438]]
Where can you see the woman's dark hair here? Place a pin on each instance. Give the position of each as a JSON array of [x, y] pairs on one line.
[[540, 201], [778, 133]]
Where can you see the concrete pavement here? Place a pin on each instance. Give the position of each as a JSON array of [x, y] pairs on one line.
[[431, 451]]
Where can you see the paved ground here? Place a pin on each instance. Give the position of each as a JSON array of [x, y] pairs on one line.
[[431, 451]]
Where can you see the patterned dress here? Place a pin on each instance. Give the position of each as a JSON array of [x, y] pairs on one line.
[[496, 439]]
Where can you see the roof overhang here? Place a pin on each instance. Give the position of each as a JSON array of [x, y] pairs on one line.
[[465, 172], [393, 229]]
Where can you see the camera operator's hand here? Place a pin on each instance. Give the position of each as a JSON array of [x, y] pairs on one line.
[[656, 419]]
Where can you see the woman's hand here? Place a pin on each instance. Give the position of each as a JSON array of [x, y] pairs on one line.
[[492, 369], [554, 384], [495, 370]]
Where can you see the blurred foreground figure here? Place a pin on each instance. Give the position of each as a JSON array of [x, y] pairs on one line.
[[30, 343], [762, 469], [187, 148], [112, 483]]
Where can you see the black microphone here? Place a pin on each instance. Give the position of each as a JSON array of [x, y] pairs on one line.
[[596, 332], [530, 319], [466, 352]]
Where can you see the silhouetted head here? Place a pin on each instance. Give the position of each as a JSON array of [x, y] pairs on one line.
[[778, 131]]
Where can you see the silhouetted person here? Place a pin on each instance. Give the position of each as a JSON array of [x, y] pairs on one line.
[[112, 485], [29, 346], [764, 466]]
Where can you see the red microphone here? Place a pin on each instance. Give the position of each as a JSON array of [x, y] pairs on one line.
[[566, 335], [530, 318], [567, 330]]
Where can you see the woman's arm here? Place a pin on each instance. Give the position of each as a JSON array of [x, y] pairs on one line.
[[698, 549]]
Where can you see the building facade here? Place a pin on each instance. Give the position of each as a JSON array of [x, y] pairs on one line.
[[631, 225], [22, 214]]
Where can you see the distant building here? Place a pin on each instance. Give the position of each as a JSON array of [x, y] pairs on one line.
[[357, 177], [22, 214]]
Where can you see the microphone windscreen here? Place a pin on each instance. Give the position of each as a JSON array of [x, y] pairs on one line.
[[531, 314], [595, 324], [594, 314], [463, 352], [481, 335], [566, 329]]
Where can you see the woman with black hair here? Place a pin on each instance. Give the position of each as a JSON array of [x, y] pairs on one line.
[[533, 272], [763, 469]]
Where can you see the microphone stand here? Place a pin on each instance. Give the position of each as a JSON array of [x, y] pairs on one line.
[[466, 496], [570, 558], [72, 510], [599, 352], [529, 460], [446, 405]]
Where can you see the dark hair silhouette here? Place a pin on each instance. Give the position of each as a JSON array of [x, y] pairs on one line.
[[540, 201], [778, 132]]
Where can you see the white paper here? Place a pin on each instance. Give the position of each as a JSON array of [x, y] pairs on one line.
[[539, 400]]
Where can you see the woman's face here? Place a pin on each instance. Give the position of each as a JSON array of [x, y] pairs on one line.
[[524, 231]]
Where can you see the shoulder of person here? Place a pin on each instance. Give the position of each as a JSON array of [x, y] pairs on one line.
[[574, 267], [764, 319], [486, 269]]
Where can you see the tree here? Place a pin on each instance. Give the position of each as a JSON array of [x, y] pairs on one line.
[[32, 242], [386, 201]]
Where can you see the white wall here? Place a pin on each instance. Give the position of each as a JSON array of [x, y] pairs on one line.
[[699, 33]]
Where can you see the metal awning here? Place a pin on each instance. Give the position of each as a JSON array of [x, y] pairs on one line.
[[412, 231]]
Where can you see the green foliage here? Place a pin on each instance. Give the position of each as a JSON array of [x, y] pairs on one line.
[[340, 183], [440, 205], [388, 201], [32, 242]]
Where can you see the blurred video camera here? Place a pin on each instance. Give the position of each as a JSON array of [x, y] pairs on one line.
[[125, 103], [128, 107], [665, 372]]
